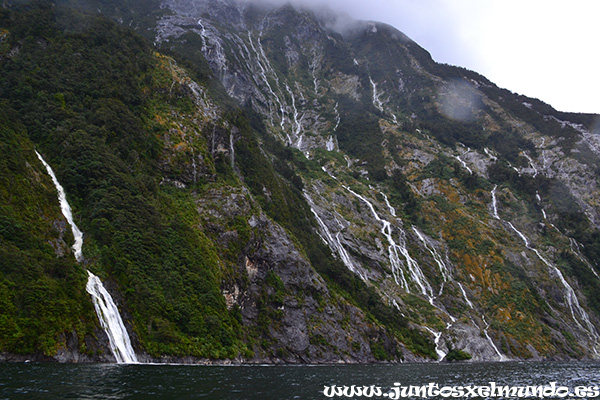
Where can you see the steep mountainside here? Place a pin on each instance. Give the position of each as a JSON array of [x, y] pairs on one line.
[[275, 184]]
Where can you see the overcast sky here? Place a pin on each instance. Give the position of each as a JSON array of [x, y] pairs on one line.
[[547, 49]]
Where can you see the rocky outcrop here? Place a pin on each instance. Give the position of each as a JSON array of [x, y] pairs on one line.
[[460, 275]]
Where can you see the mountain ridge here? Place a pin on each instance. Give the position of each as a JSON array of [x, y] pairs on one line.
[[355, 201]]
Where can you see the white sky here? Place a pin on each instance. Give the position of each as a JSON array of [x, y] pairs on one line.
[[547, 49]]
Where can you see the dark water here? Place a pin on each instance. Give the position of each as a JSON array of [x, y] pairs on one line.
[[111, 381]]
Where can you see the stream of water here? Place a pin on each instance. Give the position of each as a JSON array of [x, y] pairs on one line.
[[106, 309]]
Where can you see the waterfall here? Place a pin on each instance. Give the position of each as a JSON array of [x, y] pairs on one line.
[[568, 293], [462, 289], [330, 145], [203, 36], [495, 203], [376, 100], [263, 72], [337, 117], [231, 151], [107, 311], [298, 126], [485, 332], [490, 155], [334, 242], [413, 267], [577, 251], [66, 210], [110, 320], [436, 339], [387, 203], [464, 164], [444, 270], [314, 63], [531, 164]]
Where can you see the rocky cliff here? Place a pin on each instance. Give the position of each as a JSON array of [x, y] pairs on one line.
[[277, 184]]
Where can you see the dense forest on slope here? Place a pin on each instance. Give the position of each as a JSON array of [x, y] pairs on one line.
[[256, 184], [121, 128]]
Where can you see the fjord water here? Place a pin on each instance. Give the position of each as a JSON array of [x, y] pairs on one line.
[[143, 381]]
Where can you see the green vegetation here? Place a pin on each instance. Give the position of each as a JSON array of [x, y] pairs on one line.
[[457, 355], [95, 90], [97, 103], [285, 204], [168, 213], [42, 296]]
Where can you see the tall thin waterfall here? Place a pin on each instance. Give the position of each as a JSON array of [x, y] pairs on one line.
[[66, 210], [106, 309]]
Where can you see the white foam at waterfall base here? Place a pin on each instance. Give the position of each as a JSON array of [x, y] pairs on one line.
[[436, 339], [111, 321]]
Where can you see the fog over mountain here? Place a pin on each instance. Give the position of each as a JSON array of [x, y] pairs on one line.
[[539, 48], [250, 185]]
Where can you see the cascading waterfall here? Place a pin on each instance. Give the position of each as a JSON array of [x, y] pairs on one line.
[[539, 200], [263, 74], [436, 340], [215, 54], [413, 267], [485, 330], [231, 151], [333, 241], [577, 251], [531, 164], [444, 270], [415, 270], [298, 125], [514, 168], [389, 206], [203, 36], [464, 293], [337, 116], [330, 145], [569, 292], [314, 64], [376, 100], [110, 320], [194, 166], [270, 68], [416, 273], [490, 155], [107, 311], [544, 159], [464, 164]]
